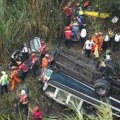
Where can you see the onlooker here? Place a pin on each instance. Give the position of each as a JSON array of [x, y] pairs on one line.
[[15, 57], [88, 46], [4, 82], [42, 50], [25, 52], [111, 36], [116, 42], [68, 12], [68, 33], [106, 42], [80, 19], [108, 55], [37, 114]]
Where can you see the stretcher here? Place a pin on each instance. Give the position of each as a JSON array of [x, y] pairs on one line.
[[96, 14]]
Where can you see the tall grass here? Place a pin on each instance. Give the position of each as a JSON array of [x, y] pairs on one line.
[[24, 19]]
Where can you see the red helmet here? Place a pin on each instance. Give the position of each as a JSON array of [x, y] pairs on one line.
[[43, 42], [33, 55], [67, 28], [71, 25]]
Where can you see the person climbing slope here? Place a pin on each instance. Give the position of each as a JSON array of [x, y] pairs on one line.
[[13, 77]]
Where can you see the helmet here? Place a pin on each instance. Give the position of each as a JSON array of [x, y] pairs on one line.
[[70, 25], [36, 108], [96, 33], [3, 72], [23, 92], [77, 4], [46, 55], [33, 55], [69, 4], [43, 42], [67, 28]]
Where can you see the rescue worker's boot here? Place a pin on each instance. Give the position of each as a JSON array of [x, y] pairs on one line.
[[12, 85]]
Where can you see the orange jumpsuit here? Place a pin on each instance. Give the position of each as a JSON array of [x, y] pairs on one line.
[[45, 62], [101, 39], [14, 79], [95, 40]]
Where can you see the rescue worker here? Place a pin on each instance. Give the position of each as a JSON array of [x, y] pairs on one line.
[[108, 56], [23, 69], [111, 36], [42, 50], [34, 62], [80, 20], [106, 42], [116, 42], [15, 57], [102, 67], [87, 47], [68, 12], [75, 32], [68, 33], [46, 60], [95, 40], [37, 114], [13, 77], [23, 104], [4, 80], [100, 42], [25, 52]]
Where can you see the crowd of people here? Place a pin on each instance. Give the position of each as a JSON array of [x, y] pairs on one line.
[[75, 23], [22, 63]]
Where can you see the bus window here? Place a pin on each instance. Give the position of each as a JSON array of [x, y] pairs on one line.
[[50, 91], [62, 96]]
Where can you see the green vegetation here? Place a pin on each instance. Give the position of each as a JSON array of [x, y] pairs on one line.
[[21, 20]]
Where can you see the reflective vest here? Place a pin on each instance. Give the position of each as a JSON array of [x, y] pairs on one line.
[[14, 74], [45, 62]]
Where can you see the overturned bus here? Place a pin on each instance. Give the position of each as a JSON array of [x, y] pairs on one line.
[[72, 77]]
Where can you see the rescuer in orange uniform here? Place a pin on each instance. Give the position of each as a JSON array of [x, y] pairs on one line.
[[13, 77], [46, 60], [95, 39], [100, 42]]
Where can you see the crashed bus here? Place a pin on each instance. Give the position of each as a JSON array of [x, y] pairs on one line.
[[74, 77]]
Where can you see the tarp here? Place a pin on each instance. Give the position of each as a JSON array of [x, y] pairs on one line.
[[35, 44]]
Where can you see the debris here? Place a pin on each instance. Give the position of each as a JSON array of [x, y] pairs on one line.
[[114, 19]]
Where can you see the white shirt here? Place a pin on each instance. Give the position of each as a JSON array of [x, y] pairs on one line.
[[106, 39], [117, 38], [25, 50], [108, 57], [88, 44]]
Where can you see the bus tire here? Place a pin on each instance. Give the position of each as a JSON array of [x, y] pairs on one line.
[[102, 88]]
